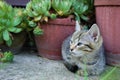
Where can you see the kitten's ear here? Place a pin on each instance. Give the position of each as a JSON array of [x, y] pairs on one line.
[[77, 26], [94, 32]]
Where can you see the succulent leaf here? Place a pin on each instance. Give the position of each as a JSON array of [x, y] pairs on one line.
[[7, 57], [37, 31], [62, 7]]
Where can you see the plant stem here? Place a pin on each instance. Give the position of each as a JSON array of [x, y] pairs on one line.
[[105, 77]]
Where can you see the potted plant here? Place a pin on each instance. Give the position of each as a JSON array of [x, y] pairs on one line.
[[11, 36], [57, 20], [107, 17]]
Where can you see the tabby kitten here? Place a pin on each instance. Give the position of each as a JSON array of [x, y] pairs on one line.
[[84, 51]]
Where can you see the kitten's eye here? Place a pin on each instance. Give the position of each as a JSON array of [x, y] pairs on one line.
[[89, 46], [79, 44]]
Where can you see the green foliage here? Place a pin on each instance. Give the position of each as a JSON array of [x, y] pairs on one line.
[[37, 9], [32, 24], [26, 24], [42, 10], [9, 19], [62, 7], [82, 9], [7, 57], [110, 73], [37, 31]]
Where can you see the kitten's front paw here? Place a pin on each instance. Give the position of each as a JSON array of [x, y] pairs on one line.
[[82, 73], [94, 73]]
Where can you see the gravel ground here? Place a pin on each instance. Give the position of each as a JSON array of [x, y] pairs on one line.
[[28, 66]]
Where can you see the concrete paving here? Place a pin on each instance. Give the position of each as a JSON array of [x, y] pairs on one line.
[[28, 66]]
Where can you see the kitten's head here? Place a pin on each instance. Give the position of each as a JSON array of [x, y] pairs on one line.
[[85, 42]]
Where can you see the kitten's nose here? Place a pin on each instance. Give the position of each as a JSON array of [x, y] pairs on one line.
[[71, 49]]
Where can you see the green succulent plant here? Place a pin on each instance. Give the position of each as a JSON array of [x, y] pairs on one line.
[[42, 10], [39, 9], [62, 7], [38, 31], [82, 9], [7, 57], [9, 19]]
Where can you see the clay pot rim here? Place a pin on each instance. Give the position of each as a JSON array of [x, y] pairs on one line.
[[107, 2], [68, 21]]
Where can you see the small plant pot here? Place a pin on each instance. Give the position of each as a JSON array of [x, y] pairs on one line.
[[108, 19], [55, 31], [18, 42]]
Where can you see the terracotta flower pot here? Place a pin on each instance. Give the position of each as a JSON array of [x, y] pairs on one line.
[[108, 19], [55, 31]]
